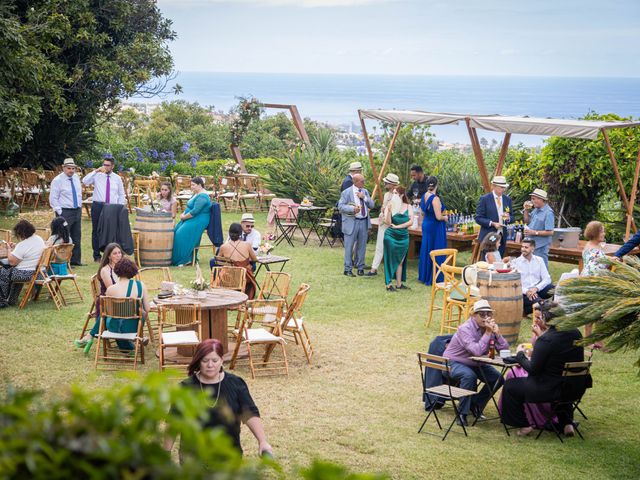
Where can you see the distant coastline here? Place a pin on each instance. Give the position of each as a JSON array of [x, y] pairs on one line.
[[335, 99]]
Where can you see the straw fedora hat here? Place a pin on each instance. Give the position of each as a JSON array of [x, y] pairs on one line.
[[353, 166], [538, 192], [500, 181], [69, 162], [482, 306], [391, 179], [248, 218]]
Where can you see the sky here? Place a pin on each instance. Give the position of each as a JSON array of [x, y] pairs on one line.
[[407, 37]]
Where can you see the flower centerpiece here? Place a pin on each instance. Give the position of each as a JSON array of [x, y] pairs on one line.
[[199, 284], [231, 168], [265, 248]]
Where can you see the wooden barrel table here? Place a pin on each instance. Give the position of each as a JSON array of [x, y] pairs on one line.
[[504, 292], [156, 237]]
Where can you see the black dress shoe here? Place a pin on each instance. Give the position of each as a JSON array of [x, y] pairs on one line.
[[462, 420], [403, 287], [360, 273], [391, 288], [349, 274], [371, 274], [478, 413]]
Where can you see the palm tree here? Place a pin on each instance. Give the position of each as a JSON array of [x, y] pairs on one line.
[[610, 300]]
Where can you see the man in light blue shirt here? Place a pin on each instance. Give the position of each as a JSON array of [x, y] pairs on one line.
[[65, 198], [107, 188], [540, 223]]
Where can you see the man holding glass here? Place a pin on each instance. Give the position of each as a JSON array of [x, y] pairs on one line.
[[472, 339], [494, 211]]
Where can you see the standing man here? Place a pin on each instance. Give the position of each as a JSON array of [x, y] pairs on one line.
[[536, 281], [494, 209], [354, 205], [540, 223], [249, 232], [354, 168], [107, 188], [472, 339], [419, 186], [391, 181], [65, 198]]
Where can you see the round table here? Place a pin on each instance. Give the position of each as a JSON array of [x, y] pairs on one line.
[[213, 309]]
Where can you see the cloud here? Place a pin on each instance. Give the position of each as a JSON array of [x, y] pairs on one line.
[[279, 3]]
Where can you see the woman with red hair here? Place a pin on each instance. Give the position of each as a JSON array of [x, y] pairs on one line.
[[230, 400]]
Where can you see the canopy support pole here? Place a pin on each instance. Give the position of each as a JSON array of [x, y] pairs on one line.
[[477, 151], [369, 151], [634, 192], [503, 154], [623, 193], [386, 160]]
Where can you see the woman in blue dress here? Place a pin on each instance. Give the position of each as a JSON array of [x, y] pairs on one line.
[[193, 221], [434, 231]]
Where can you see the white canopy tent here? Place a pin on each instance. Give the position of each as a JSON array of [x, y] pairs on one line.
[[585, 129]]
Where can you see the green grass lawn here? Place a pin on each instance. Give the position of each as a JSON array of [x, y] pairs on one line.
[[359, 403]]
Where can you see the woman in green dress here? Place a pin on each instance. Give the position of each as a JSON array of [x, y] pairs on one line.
[[399, 217], [193, 221]]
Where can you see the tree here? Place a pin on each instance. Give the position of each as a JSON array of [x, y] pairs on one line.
[[411, 148], [76, 60], [609, 300]]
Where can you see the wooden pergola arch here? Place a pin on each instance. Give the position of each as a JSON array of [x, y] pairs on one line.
[[297, 123], [586, 129]]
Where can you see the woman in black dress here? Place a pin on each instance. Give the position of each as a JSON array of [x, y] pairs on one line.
[[231, 402]]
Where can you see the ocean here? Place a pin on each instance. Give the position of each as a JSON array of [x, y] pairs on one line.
[[335, 99]]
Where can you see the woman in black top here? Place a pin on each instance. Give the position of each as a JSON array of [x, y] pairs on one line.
[[551, 351], [231, 401]]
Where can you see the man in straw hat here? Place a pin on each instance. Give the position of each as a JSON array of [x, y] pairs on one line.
[[65, 198], [540, 221], [494, 211], [249, 232], [472, 339], [391, 181], [354, 168]]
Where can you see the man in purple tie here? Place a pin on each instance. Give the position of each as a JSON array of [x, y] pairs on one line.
[[107, 188], [354, 205]]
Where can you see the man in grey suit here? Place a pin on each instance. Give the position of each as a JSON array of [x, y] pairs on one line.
[[354, 205]]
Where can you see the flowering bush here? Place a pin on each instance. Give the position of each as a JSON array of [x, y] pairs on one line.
[[247, 110], [231, 168]]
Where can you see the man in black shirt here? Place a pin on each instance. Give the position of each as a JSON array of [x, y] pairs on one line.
[[419, 185]]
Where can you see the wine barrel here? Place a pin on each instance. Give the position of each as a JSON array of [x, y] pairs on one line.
[[504, 292], [156, 237]]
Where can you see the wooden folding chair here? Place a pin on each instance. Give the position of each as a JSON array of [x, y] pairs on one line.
[[567, 397], [180, 327], [265, 195], [62, 254], [228, 191], [232, 278], [108, 354], [196, 251], [294, 323], [93, 309], [249, 336], [275, 285], [458, 297], [40, 279], [450, 255], [43, 232], [136, 247], [31, 188], [144, 189], [445, 392], [247, 189], [5, 235]]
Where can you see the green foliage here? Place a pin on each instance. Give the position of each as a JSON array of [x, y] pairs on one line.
[[247, 110], [258, 166], [329, 471], [115, 432], [459, 181], [315, 171], [610, 300], [76, 60]]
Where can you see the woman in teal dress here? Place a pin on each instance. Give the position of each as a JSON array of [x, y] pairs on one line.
[[434, 231], [396, 241], [193, 221]]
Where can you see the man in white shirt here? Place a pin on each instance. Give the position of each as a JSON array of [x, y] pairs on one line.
[[536, 281], [249, 232], [107, 188], [66, 200]]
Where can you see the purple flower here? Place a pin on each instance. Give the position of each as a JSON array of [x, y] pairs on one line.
[[163, 155], [163, 166], [107, 155], [153, 153], [194, 160], [171, 154], [88, 163], [185, 147], [120, 167], [173, 161]]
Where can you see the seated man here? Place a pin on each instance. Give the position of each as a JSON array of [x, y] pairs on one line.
[[249, 232], [536, 281], [472, 340]]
